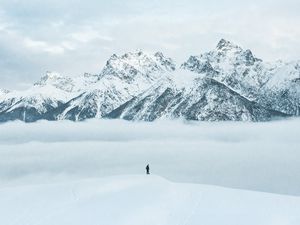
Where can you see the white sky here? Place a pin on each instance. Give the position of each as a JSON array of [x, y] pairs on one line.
[[73, 37]]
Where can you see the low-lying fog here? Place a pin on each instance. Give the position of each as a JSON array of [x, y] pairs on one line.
[[255, 156]]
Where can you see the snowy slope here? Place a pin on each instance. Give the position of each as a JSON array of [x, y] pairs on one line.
[[136, 200], [193, 97], [31, 104], [282, 91], [34, 103]]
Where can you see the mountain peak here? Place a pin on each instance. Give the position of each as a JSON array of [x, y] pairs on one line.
[[126, 56], [57, 80], [168, 63], [138, 61], [49, 77], [225, 45], [3, 91], [53, 75]]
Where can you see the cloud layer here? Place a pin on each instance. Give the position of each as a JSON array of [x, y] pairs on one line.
[[73, 37], [255, 156]]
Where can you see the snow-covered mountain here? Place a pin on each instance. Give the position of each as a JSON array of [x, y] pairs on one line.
[[121, 79], [227, 83], [200, 98], [273, 85]]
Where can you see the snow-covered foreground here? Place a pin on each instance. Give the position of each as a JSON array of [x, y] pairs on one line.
[[136, 200]]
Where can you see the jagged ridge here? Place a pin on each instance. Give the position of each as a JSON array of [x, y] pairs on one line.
[[227, 83]]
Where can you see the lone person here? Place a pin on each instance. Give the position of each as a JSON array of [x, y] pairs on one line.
[[147, 169]]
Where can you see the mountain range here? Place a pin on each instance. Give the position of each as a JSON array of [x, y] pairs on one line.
[[225, 84]]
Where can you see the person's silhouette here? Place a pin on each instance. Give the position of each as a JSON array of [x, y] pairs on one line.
[[148, 169]]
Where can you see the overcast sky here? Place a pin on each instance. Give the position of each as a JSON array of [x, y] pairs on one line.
[[73, 37]]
